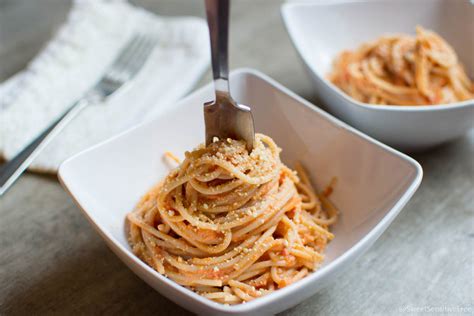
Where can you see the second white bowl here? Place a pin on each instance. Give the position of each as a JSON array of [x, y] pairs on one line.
[[321, 30]]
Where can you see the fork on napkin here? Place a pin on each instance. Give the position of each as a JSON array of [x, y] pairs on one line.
[[76, 58]]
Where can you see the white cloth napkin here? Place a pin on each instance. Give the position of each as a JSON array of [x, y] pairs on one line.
[[75, 59]]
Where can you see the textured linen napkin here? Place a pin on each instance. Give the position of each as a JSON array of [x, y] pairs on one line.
[[74, 60]]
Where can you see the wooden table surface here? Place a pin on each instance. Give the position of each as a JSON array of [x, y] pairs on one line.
[[53, 262]]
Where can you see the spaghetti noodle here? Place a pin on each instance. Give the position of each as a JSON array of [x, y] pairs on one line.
[[403, 70], [230, 225]]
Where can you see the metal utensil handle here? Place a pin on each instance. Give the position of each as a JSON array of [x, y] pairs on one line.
[[10, 171], [217, 12]]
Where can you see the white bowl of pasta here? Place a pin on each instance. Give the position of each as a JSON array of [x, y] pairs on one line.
[[373, 184], [389, 87]]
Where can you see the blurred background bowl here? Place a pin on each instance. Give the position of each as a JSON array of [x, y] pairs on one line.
[[322, 29]]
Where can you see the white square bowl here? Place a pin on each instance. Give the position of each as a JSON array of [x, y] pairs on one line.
[[322, 29], [374, 181]]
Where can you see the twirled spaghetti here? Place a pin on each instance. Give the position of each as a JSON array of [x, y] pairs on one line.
[[230, 225], [403, 70]]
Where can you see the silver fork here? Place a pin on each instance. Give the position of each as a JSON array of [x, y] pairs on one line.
[[123, 69], [224, 118]]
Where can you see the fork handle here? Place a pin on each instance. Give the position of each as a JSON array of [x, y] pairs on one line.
[[11, 170], [217, 12]]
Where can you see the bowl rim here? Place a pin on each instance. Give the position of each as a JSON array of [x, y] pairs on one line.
[[353, 252], [291, 29]]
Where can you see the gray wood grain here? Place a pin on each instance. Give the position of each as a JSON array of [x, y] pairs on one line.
[[52, 262]]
